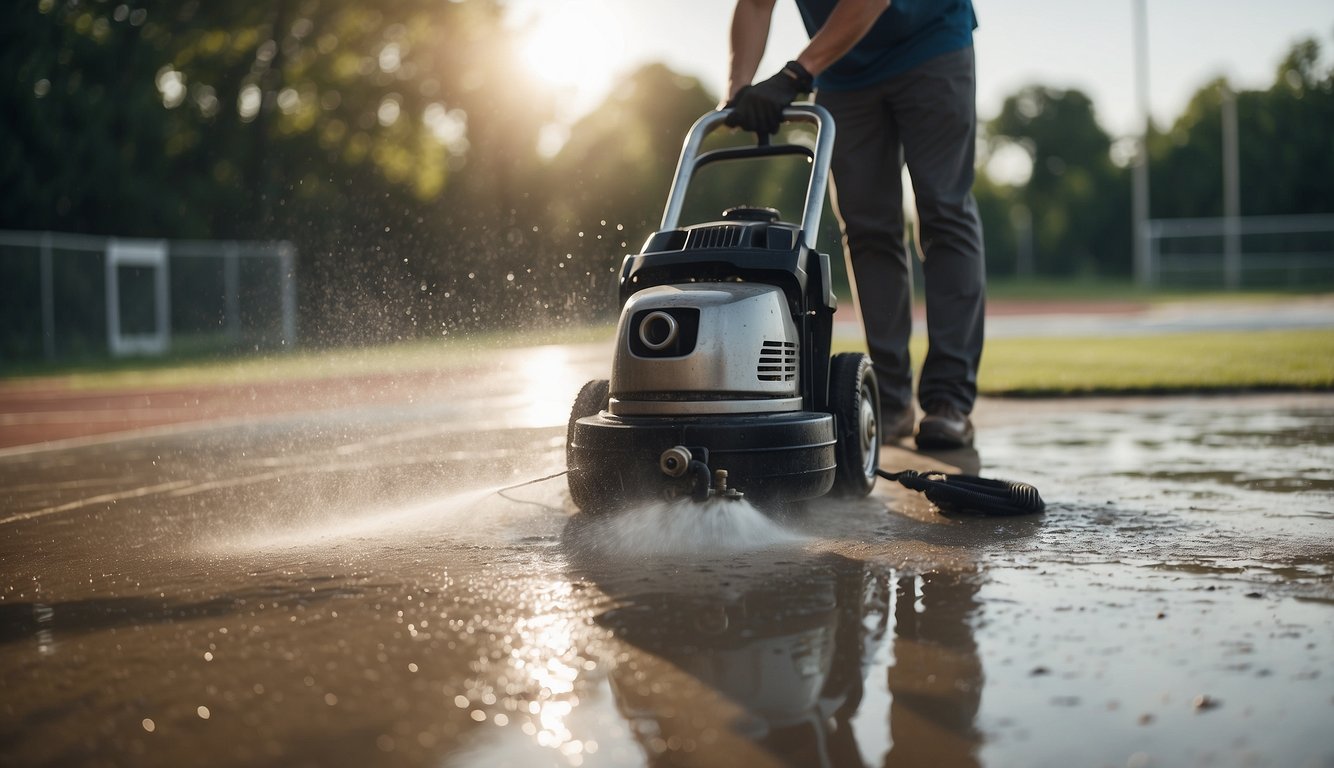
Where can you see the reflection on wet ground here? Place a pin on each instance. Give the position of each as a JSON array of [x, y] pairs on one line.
[[372, 589]]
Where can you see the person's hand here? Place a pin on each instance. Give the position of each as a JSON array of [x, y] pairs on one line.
[[759, 107]]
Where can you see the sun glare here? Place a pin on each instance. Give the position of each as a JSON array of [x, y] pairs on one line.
[[575, 47]]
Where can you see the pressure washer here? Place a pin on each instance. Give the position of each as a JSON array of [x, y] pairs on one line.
[[723, 384]]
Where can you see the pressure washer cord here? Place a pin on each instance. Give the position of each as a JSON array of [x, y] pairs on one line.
[[971, 494], [534, 481], [502, 492]]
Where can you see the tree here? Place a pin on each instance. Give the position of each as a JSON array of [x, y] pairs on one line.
[[610, 180], [83, 122], [1286, 148], [1078, 224], [395, 143]]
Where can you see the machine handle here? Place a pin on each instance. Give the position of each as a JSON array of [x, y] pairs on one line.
[[759, 150], [691, 161]]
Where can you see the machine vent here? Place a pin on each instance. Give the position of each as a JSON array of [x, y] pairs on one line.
[[714, 237], [778, 361]]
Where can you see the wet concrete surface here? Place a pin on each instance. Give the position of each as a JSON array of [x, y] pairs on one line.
[[356, 587]]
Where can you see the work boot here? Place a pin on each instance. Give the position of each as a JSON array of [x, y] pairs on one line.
[[897, 424], [944, 427]]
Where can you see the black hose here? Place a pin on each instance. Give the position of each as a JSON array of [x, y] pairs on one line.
[[971, 494]]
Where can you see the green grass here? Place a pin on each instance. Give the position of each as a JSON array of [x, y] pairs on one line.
[[1257, 360], [1156, 364]]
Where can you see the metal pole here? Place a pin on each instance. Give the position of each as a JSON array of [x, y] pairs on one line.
[[113, 300], [231, 283], [162, 302], [1022, 219], [287, 263], [48, 299], [1231, 193], [1142, 253]]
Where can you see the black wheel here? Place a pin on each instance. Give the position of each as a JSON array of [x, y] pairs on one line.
[[585, 490], [855, 402]]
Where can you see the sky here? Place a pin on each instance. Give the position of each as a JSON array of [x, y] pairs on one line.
[[580, 46]]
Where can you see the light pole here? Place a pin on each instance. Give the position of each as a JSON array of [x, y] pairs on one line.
[[1140, 203], [1231, 193]]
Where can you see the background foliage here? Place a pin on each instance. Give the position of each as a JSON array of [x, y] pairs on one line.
[[396, 144]]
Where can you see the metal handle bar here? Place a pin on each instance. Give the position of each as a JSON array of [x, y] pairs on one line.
[[757, 150], [691, 161]]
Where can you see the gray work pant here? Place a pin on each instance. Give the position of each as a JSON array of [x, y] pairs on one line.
[[926, 117]]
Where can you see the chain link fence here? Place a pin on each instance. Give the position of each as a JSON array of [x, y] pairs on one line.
[[69, 296], [1244, 252]]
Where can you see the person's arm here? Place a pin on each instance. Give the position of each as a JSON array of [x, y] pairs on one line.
[[847, 24], [750, 35], [759, 107]]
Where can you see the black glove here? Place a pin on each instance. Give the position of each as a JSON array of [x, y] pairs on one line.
[[759, 107]]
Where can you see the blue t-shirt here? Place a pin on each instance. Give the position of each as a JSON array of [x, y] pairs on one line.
[[908, 33]]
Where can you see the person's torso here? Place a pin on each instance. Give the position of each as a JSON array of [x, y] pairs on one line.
[[908, 33]]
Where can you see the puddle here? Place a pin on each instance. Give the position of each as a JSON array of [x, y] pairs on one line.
[[1150, 667], [1190, 484]]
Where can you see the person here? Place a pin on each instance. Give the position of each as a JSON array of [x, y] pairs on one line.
[[899, 80]]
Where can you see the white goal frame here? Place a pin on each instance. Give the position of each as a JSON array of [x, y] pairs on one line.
[[138, 253]]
